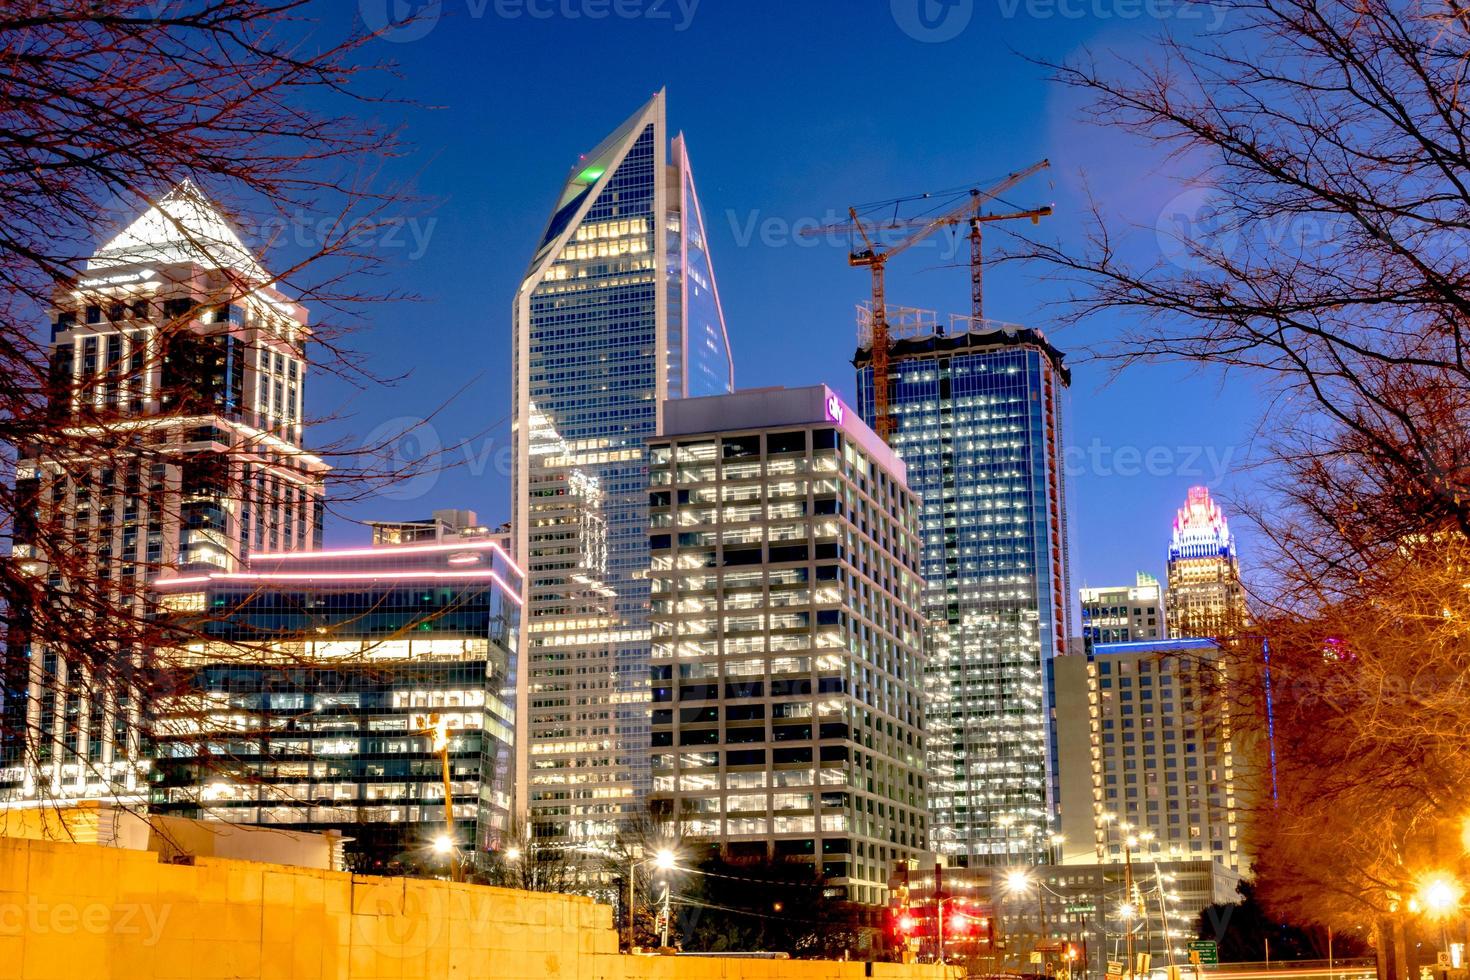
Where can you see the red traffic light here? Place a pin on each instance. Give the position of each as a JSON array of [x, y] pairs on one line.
[[906, 924], [959, 922]]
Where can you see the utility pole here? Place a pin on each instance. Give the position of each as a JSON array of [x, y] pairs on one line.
[[1041, 915], [1164, 918], [939, 908], [665, 943], [1128, 900]]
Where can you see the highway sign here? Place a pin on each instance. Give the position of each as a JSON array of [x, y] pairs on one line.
[[1208, 950]]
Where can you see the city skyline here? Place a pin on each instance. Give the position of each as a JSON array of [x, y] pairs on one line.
[[769, 157]]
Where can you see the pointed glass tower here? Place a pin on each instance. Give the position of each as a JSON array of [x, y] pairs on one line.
[[618, 311]]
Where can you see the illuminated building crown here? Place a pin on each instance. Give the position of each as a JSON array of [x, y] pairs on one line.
[[1200, 529]]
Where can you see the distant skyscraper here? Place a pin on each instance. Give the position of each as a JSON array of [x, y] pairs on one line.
[[786, 635], [1150, 746], [977, 418], [186, 367], [617, 312], [1205, 596], [1121, 613]]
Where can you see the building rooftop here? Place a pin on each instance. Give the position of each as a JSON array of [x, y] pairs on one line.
[[1163, 646], [762, 408]]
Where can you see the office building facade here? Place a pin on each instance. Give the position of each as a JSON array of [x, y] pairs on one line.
[[312, 684], [1205, 597], [618, 313], [787, 667], [177, 387], [1158, 755], [976, 415], [1124, 613]]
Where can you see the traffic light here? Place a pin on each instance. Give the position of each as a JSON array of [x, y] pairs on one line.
[[959, 924], [904, 925]]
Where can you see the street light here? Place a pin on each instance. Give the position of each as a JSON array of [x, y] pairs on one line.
[[1440, 895], [1019, 882], [443, 844]]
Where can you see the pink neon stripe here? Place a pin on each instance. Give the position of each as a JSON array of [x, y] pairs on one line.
[[507, 589], [344, 577], [412, 549]]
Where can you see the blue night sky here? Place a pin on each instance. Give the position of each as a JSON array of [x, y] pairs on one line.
[[792, 112]]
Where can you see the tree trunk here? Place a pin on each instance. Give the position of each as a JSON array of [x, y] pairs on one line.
[[1381, 951], [1400, 950]]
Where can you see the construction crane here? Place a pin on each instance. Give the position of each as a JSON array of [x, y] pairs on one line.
[[874, 257]]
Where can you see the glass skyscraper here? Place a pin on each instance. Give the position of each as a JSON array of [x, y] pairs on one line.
[[617, 312], [309, 688], [977, 417]]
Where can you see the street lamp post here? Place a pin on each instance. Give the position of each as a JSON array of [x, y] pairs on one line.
[[635, 856], [446, 844], [664, 860]]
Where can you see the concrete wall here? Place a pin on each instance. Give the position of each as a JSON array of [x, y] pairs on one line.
[[76, 910], [90, 822]]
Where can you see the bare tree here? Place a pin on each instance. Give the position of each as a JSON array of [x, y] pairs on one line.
[[1324, 148], [109, 111]]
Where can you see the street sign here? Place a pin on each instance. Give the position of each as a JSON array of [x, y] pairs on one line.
[[1115, 967], [1081, 909], [1208, 951]]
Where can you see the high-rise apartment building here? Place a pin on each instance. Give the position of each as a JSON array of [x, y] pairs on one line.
[[313, 684], [1158, 755], [787, 627], [976, 414], [1122, 613], [617, 313], [1205, 596], [177, 380]]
